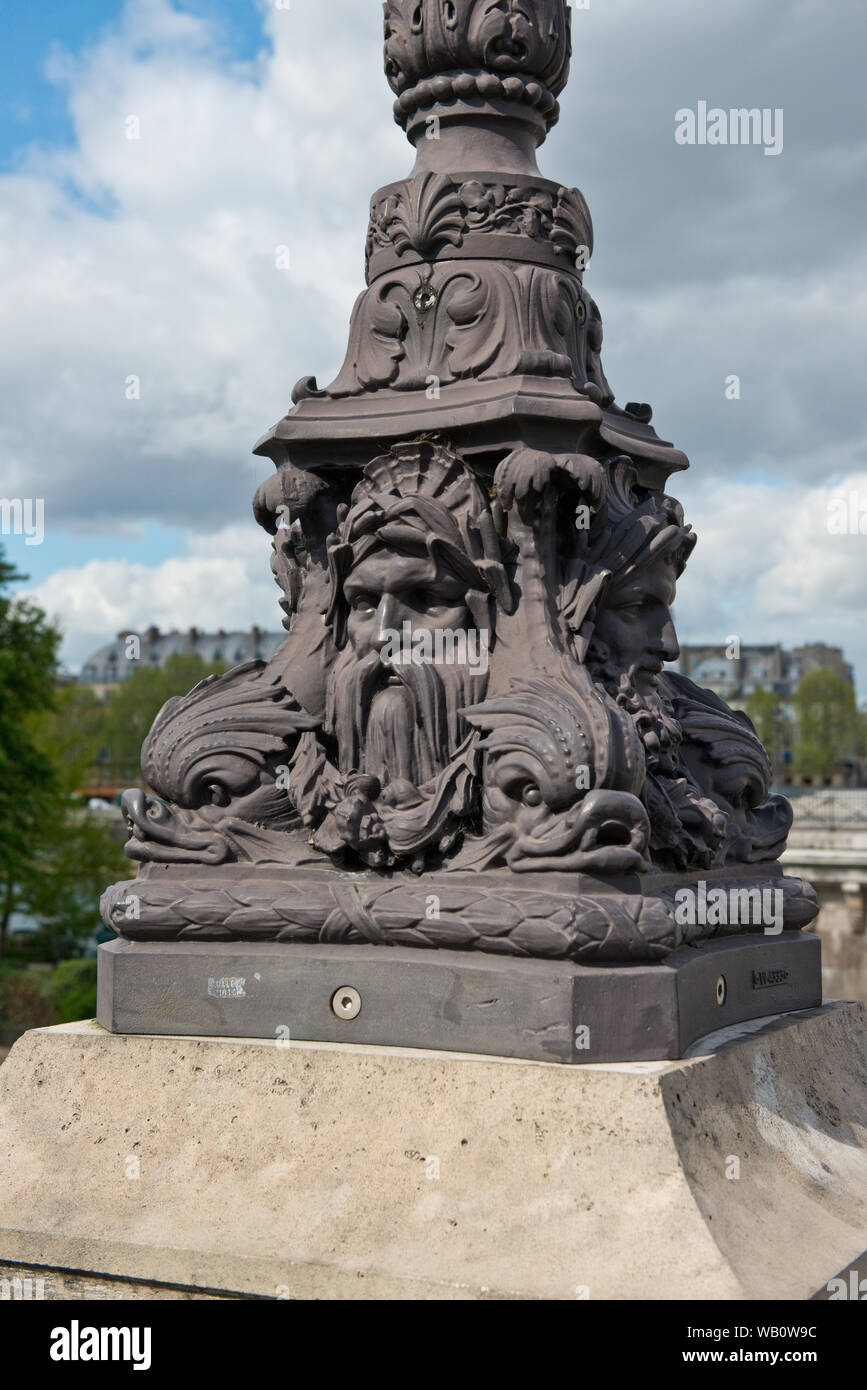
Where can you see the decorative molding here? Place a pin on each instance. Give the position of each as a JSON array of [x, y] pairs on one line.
[[445, 50], [435, 216], [490, 912], [485, 86], [455, 320]]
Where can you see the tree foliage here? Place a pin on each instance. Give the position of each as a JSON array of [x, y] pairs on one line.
[[135, 704], [828, 724], [55, 857], [29, 785], [765, 709]]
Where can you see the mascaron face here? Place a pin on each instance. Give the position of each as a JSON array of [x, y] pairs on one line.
[[636, 624], [388, 589]]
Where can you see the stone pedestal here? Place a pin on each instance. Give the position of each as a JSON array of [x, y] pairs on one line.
[[186, 1166]]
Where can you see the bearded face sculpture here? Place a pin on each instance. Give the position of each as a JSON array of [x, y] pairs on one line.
[[413, 659], [417, 574], [635, 626]]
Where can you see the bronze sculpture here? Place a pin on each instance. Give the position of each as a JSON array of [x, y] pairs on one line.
[[468, 740]]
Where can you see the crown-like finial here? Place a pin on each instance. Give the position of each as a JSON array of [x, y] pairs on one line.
[[493, 54]]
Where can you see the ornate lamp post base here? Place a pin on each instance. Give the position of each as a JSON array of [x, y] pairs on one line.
[[469, 741]]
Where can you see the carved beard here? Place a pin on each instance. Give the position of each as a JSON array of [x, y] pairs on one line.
[[687, 827], [653, 714], [409, 731]]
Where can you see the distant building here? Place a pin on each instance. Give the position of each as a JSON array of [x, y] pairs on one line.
[[117, 660], [758, 667], [772, 668]]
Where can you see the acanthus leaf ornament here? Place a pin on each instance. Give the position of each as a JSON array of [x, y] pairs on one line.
[[501, 49]]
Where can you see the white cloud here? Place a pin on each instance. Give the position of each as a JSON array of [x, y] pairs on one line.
[[156, 257], [222, 580], [769, 567]]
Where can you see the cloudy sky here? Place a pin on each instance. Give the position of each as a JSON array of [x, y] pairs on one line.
[[262, 126]]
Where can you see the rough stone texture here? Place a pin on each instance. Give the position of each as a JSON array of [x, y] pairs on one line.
[[302, 1171], [35, 1284]]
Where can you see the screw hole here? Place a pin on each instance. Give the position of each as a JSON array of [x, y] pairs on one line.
[[346, 1002]]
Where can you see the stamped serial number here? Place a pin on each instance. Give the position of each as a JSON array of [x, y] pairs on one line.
[[763, 979]]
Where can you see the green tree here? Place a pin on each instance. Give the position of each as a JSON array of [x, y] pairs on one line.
[[78, 851], [134, 706], [80, 854], [862, 733], [24, 1002], [766, 711], [29, 785], [71, 733], [71, 990], [55, 857], [827, 719]]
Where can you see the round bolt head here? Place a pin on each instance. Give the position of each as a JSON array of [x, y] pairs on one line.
[[346, 1002], [721, 990]]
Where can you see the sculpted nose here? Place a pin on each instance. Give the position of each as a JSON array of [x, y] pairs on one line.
[[385, 622], [669, 643], [666, 646]]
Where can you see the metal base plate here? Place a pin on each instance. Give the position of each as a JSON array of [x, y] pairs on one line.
[[455, 1001]]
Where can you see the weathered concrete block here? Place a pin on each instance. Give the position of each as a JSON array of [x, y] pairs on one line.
[[347, 1171]]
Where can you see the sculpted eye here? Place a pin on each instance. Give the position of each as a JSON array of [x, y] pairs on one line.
[[518, 783], [218, 795], [363, 603]]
